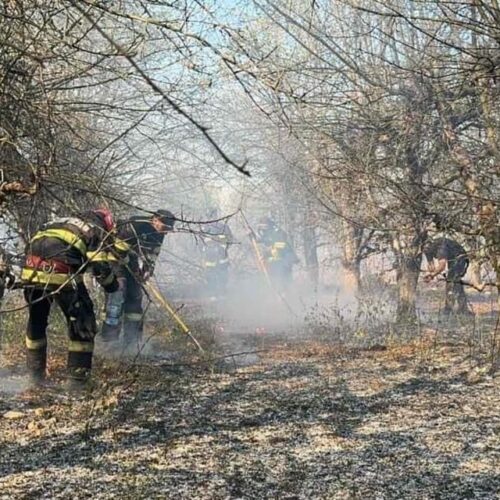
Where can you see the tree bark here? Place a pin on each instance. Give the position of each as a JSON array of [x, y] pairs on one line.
[[351, 247], [353, 276], [311, 255], [407, 279]]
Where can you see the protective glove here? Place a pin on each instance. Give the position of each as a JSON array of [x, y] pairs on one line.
[[146, 270], [105, 277], [112, 287], [10, 279], [81, 314]]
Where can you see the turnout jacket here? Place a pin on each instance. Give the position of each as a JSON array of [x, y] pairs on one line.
[[65, 248], [277, 247], [449, 250], [138, 238], [216, 240]]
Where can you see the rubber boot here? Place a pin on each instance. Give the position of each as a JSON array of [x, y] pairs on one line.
[[36, 362], [110, 333], [78, 371]]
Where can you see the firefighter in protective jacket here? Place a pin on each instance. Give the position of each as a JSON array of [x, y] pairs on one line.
[[56, 258], [451, 258], [277, 251], [6, 277], [217, 237], [139, 240]]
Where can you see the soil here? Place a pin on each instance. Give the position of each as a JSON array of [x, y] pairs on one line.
[[299, 420]]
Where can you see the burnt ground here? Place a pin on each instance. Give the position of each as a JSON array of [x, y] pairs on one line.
[[393, 416], [304, 420]]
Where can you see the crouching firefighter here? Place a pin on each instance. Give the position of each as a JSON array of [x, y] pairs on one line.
[[217, 237], [138, 241], [56, 258]]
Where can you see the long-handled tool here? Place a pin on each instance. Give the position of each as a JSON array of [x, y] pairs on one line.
[[261, 264], [173, 313]]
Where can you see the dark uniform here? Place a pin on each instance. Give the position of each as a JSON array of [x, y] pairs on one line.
[[142, 242], [6, 279], [278, 253], [458, 262], [6, 276], [56, 259], [216, 240]]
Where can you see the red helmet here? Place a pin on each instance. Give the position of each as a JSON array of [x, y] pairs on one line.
[[107, 218]]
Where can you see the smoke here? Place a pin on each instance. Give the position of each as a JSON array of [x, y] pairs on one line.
[[10, 382]]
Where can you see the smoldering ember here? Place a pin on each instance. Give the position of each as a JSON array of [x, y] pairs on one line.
[[249, 249]]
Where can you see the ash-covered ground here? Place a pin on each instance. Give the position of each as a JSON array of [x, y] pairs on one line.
[[301, 420]]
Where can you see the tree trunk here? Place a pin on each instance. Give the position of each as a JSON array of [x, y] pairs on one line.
[[311, 255], [407, 279], [353, 276], [351, 243], [408, 244]]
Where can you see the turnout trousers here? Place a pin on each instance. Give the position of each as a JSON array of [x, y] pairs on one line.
[[78, 310], [455, 293]]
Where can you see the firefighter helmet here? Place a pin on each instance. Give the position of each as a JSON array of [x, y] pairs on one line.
[[106, 217]]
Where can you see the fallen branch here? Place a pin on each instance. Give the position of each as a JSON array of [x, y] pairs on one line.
[[479, 288]]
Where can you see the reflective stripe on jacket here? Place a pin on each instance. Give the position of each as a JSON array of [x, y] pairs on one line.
[[38, 276], [64, 235]]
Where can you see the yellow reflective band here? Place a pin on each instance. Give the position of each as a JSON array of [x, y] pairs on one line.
[[210, 264], [35, 345], [121, 246], [117, 259], [98, 256], [280, 244], [77, 346], [133, 316], [36, 276], [64, 235]]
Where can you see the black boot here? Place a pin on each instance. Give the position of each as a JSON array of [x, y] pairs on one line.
[[110, 333], [79, 368], [36, 362]]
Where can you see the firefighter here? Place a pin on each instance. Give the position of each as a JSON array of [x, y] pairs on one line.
[[277, 252], [56, 258], [6, 277], [452, 258], [6, 281], [217, 237], [139, 240]]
